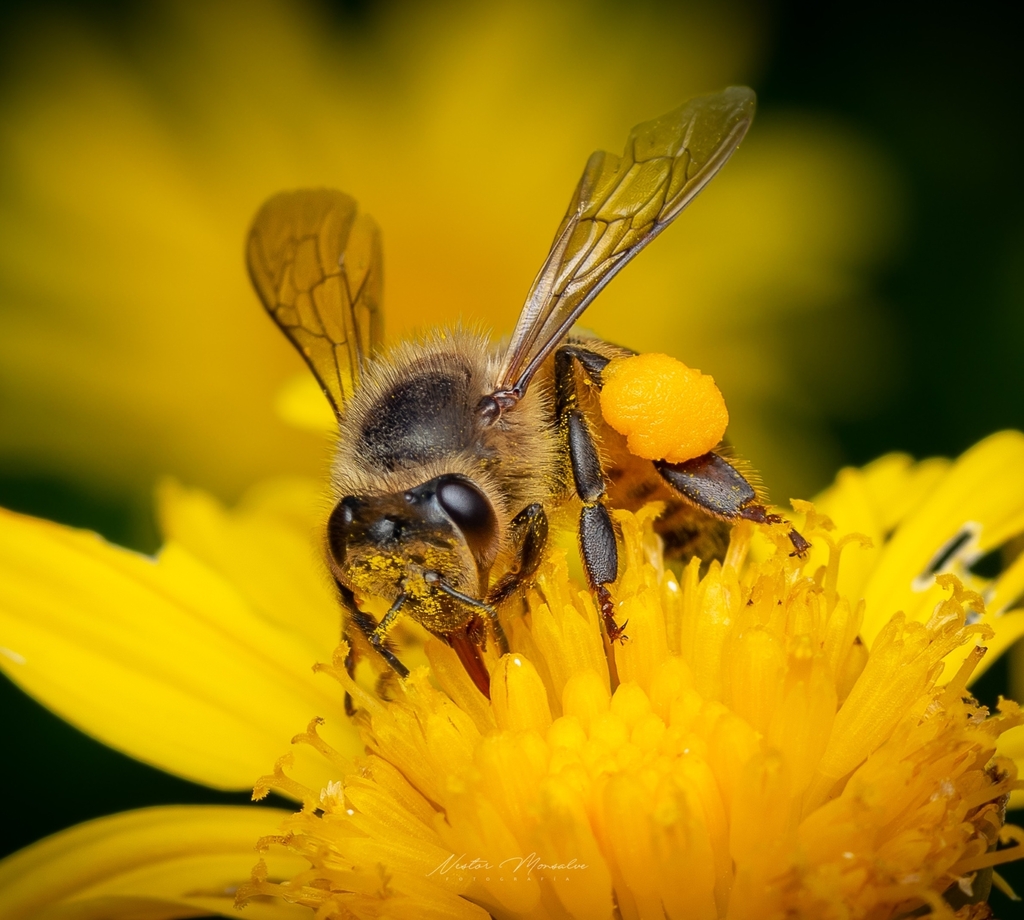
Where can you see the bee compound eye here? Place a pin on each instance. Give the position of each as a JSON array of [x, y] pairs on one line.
[[347, 510], [469, 510], [338, 525]]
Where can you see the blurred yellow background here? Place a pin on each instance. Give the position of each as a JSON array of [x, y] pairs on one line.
[[131, 345]]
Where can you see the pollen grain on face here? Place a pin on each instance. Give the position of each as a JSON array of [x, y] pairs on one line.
[[742, 755]]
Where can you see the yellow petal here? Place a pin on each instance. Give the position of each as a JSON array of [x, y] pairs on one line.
[[1011, 744], [896, 485], [980, 498], [872, 501], [1007, 630], [518, 696], [301, 403], [266, 548], [161, 659], [151, 864]]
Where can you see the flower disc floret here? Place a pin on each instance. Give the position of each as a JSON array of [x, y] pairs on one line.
[[741, 756]]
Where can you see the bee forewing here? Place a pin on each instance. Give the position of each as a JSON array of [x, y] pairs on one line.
[[620, 205], [316, 264]]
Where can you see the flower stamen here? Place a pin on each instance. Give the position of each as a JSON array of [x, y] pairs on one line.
[[753, 759]]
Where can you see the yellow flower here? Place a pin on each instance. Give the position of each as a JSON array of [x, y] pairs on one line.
[[128, 330], [748, 755]]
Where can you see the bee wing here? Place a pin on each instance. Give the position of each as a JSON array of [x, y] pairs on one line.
[[620, 205], [316, 264]]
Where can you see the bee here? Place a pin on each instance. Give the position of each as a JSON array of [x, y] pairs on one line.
[[453, 450]]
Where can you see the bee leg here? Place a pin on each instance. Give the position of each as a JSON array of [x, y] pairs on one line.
[[499, 631], [716, 487], [476, 632], [348, 603], [601, 562], [529, 533], [375, 634], [350, 667], [484, 607], [592, 363], [597, 535]]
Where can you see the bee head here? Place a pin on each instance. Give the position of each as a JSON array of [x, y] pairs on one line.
[[445, 526]]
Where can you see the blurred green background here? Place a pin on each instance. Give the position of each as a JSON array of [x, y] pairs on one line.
[[858, 288]]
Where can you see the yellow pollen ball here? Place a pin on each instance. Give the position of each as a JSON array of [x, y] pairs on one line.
[[666, 410]]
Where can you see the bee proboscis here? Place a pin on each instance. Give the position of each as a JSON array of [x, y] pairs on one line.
[[452, 449]]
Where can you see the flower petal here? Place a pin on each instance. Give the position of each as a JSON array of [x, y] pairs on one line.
[[162, 659], [927, 518], [301, 403], [265, 547], [150, 864], [1011, 744], [979, 502], [872, 501], [788, 772]]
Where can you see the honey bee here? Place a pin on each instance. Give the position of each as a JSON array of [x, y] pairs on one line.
[[453, 450]]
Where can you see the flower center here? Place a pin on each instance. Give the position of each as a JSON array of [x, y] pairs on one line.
[[743, 755]]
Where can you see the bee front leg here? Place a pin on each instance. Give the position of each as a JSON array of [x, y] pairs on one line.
[[529, 534], [348, 604], [378, 636], [718, 488], [376, 633], [596, 533], [373, 632], [474, 604], [350, 668]]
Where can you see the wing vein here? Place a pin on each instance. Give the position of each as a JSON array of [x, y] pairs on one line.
[[325, 221], [588, 251]]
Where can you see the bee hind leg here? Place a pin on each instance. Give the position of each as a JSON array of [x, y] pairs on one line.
[[719, 489], [596, 532]]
